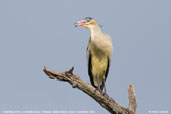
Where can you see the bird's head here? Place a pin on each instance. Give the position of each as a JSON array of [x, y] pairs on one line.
[[87, 22]]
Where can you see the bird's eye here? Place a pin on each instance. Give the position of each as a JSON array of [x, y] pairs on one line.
[[87, 19]]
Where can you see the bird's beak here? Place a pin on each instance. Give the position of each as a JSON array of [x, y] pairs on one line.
[[80, 23]]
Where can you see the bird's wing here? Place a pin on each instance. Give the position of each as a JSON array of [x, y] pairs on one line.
[[89, 63], [108, 66], [109, 39]]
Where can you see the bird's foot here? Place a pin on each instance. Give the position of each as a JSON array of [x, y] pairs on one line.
[[105, 94], [101, 92]]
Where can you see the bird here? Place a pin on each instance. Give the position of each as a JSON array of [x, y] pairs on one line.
[[98, 53]]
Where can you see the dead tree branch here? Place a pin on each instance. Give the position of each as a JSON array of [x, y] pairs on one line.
[[104, 100]]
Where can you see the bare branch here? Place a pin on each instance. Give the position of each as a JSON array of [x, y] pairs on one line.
[[132, 99], [104, 100]]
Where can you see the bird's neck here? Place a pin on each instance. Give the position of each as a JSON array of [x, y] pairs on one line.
[[94, 30]]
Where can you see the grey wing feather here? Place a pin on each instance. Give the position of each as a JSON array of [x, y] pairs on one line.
[[108, 66], [88, 53]]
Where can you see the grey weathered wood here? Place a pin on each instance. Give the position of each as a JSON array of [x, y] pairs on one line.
[[103, 99]]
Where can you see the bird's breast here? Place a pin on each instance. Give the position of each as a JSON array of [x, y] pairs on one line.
[[101, 47], [99, 67]]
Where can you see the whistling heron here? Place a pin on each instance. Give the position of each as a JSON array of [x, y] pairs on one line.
[[99, 53]]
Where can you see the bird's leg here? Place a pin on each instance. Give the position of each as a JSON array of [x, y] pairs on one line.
[[104, 86], [98, 81], [105, 92], [99, 88]]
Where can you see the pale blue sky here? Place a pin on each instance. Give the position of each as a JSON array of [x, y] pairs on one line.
[[38, 33]]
